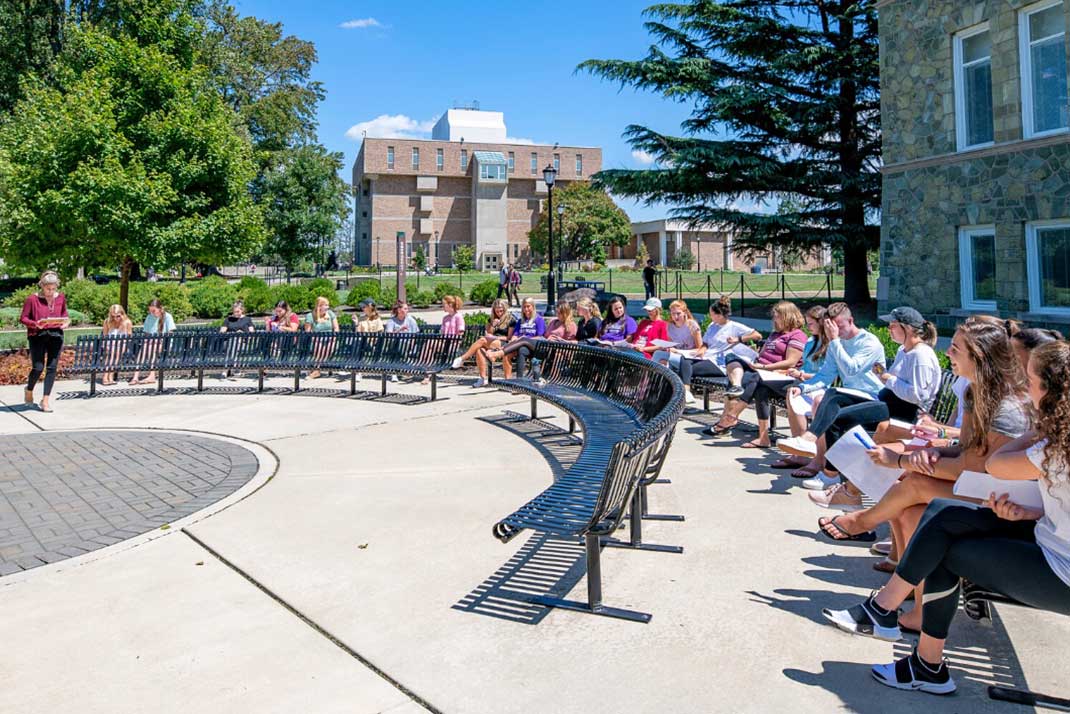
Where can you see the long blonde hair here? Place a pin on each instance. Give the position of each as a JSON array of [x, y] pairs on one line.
[[590, 306], [115, 323], [564, 313], [316, 308]]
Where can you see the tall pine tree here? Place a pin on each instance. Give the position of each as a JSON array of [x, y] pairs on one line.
[[786, 106]]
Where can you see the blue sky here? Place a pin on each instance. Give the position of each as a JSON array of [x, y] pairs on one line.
[[410, 61]]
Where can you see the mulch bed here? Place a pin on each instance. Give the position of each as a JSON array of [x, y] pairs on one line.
[[15, 365]]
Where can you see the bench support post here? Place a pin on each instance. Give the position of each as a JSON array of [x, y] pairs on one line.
[[352, 382], [159, 380], [572, 425], [434, 386], [382, 389], [260, 379], [534, 408], [297, 380], [635, 537], [92, 383], [705, 399], [594, 605], [644, 501]]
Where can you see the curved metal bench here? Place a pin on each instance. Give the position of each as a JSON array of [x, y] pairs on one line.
[[197, 351], [632, 405]]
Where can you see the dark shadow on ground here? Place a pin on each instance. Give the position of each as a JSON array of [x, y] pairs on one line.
[[321, 392]]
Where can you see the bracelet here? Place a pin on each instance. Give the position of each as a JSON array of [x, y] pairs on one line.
[[899, 461], [941, 433]]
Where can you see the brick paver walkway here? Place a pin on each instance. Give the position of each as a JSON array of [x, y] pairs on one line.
[[63, 494]]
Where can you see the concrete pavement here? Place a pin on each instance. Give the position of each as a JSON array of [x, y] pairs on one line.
[[376, 529]]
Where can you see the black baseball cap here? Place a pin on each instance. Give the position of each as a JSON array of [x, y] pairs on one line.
[[905, 316]]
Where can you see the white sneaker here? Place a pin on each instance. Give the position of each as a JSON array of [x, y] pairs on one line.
[[797, 446], [457, 363], [689, 398], [819, 482], [394, 378], [479, 383]]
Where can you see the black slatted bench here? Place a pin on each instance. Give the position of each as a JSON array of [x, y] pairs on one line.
[[628, 408], [200, 351]]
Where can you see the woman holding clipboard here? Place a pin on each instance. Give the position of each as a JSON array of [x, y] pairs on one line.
[[45, 315]]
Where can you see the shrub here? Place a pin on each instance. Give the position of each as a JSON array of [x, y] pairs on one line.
[[477, 318], [88, 297], [345, 319], [18, 297], [322, 287], [212, 297], [485, 292], [444, 289], [682, 260], [364, 289], [174, 296], [299, 298], [256, 294], [421, 298], [388, 296]]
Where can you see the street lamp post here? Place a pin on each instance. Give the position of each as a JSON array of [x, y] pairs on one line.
[[549, 175], [560, 233]]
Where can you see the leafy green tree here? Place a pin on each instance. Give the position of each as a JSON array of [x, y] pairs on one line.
[[785, 97], [30, 38], [419, 258], [682, 260], [464, 257], [590, 224], [304, 203], [130, 157]]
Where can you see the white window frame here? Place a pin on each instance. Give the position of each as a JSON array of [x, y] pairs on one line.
[[440, 159], [1026, 57], [534, 164], [464, 159], [579, 164], [512, 162], [557, 163], [1032, 265], [966, 281], [390, 158], [960, 88], [415, 157]]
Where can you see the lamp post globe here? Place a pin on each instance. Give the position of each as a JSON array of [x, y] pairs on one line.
[[549, 175]]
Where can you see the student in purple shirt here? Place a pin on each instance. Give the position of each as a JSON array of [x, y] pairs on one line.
[[530, 325], [618, 326], [44, 315]]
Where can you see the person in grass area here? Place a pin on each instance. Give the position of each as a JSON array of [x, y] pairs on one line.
[[999, 545]]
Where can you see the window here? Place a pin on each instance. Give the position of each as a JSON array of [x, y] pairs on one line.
[[464, 159], [534, 163], [977, 267], [973, 88], [1042, 38], [492, 172], [512, 162], [390, 157], [557, 163], [579, 164], [440, 160], [1048, 262], [415, 157]]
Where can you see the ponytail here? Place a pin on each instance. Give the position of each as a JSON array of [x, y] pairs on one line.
[[927, 333], [722, 307]]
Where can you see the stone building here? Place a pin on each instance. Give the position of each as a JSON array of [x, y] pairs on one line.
[[976, 131], [467, 185], [710, 245]]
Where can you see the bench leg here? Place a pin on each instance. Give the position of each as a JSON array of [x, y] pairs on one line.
[[159, 381], [572, 425], [260, 380], [635, 537], [200, 380], [297, 380], [594, 605], [352, 383], [92, 383], [434, 386], [644, 501], [382, 390], [534, 408], [705, 399]]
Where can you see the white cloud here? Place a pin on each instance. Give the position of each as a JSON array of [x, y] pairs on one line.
[[518, 140], [644, 158], [360, 24], [391, 126]]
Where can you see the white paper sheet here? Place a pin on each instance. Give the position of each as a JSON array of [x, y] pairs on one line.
[[850, 457], [767, 375], [804, 403], [976, 484], [664, 343]]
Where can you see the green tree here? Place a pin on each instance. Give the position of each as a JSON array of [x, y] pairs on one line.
[[419, 258], [785, 98], [464, 257], [591, 223], [130, 157], [31, 34], [304, 202]]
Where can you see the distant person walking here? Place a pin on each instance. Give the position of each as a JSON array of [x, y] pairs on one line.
[[650, 279], [503, 281], [45, 315], [515, 279]]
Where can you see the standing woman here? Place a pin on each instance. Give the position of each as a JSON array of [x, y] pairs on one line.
[[45, 316]]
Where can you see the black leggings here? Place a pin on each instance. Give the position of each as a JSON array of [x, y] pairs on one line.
[[840, 412], [759, 393], [698, 368], [964, 540], [42, 346]]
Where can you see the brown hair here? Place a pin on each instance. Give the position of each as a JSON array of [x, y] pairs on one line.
[[787, 314], [722, 306], [681, 305], [819, 313], [838, 308], [155, 302], [1051, 362], [566, 308], [998, 377], [452, 300]]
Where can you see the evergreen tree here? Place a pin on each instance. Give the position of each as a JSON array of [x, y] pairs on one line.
[[786, 105]]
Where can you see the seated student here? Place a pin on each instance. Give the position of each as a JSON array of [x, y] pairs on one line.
[[813, 356], [650, 328], [158, 321], [999, 545], [401, 323], [995, 412], [684, 331], [590, 319], [498, 331], [722, 338], [370, 322], [530, 325], [321, 320], [782, 351], [282, 319], [617, 326], [561, 329], [851, 354], [236, 321], [117, 323]]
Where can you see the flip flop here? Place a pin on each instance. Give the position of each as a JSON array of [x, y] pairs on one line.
[[822, 523], [718, 430], [805, 473], [751, 445], [786, 464]]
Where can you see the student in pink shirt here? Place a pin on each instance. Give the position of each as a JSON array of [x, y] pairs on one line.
[[651, 328], [452, 321]]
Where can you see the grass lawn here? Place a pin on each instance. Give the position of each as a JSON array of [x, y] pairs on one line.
[[16, 339]]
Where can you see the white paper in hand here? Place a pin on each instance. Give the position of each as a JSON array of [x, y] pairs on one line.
[[804, 403], [768, 375], [977, 484], [666, 344], [849, 455]]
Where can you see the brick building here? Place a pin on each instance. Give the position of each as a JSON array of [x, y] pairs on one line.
[[465, 186], [976, 134], [710, 245]]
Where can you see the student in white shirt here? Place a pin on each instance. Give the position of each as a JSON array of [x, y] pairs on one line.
[[723, 336]]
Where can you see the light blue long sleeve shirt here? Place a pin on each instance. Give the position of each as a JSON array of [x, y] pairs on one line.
[[852, 361]]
